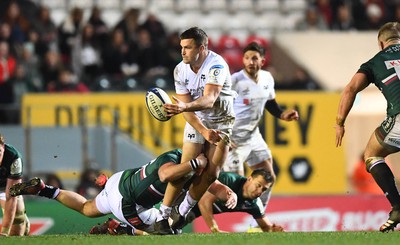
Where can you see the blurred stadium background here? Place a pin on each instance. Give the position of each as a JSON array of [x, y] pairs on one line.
[[108, 128]]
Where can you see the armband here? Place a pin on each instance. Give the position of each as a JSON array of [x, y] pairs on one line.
[[194, 163]]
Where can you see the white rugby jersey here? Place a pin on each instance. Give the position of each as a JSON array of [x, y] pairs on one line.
[[250, 102], [214, 70]]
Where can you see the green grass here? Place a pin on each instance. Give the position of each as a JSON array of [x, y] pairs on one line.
[[211, 239]]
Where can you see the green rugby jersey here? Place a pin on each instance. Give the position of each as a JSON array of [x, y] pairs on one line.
[[142, 185], [383, 70], [11, 165], [236, 182]]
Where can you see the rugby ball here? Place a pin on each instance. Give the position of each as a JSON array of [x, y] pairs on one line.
[[155, 99]]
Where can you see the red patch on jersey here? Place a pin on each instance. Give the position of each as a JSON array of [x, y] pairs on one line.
[[246, 101]]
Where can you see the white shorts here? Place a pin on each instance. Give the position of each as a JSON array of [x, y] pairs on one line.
[[389, 131], [253, 152], [191, 135], [109, 200]]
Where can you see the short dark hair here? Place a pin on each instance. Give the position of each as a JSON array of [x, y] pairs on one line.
[[255, 46], [198, 35], [264, 173]]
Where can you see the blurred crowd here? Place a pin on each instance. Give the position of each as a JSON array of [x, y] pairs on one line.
[[80, 55]]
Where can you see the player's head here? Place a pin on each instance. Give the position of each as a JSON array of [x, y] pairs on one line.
[[198, 35], [388, 33], [194, 42], [259, 181], [253, 57]]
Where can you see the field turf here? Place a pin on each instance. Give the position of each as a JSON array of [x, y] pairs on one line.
[[340, 238]]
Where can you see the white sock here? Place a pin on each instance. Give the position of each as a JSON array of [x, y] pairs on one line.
[[164, 213], [187, 204]]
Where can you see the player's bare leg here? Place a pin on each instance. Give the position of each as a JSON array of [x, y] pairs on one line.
[[174, 188], [69, 199], [374, 156], [216, 155]]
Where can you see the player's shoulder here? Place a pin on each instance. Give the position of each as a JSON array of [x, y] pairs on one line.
[[213, 59]]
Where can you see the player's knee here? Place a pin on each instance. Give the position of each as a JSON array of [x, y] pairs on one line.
[[371, 162]]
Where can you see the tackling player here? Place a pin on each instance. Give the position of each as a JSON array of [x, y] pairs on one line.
[[204, 96], [129, 195], [15, 221], [217, 200]]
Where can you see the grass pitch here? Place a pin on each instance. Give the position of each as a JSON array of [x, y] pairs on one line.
[[368, 237]]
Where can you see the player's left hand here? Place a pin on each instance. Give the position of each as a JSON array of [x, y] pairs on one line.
[[290, 115], [232, 200], [175, 109]]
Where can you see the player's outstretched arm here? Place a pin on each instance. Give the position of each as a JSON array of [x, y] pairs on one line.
[[358, 83], [171, 171]]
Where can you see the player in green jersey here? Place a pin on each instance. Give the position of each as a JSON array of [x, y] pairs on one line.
[[15, 222], [382, 70], [129, 195], [245, 195]]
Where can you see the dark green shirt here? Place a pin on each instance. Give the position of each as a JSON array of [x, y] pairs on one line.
[[383, 70], [143, 185], [11, 165], [236, 182]]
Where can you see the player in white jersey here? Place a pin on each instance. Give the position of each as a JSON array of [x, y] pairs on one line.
[[204, 96], [256, 92]]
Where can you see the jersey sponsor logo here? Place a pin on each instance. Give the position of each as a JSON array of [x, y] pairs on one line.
[[203, 78], [392, 63], [16, 167], [191, 136]]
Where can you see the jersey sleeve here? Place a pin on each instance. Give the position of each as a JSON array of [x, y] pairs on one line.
[[217, 75], [180, 86], [366, 69], [16, 169]]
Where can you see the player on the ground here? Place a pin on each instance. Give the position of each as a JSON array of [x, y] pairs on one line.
[[129, 195], [382, 70], [15, 222], [204, 96], [216, 200], [248, 191], [256, 93]]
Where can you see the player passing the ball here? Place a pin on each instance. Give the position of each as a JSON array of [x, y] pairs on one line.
[[382, 70], [204, 97]]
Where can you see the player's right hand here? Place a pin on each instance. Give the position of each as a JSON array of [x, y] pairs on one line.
[[212, 136]]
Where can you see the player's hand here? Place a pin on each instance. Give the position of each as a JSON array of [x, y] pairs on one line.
[[290, 115], [277, 228], [175, 109], [232, 200], [212, 136], [339, 134]]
